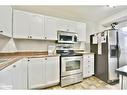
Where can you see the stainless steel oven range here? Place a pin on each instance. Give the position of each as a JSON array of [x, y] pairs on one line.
[[71, 67]]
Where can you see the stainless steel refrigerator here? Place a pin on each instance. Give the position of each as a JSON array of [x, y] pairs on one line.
[[106, 62]]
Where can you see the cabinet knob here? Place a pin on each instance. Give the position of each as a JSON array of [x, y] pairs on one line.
[[45, 37], [28, 60], [67, 29], [45, 58], [30, 36], [14, 66], [1, 31]]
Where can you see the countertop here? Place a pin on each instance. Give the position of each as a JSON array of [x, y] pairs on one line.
[[7, 59], [122, 70], [82, 52]]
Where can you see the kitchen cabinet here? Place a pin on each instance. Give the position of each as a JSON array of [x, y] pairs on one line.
[[66, 25], [88, 65], [14, 76], [36, 72], [50, 28], [43, 72], [81, 30], [6, 21], [28, 25], [52, 70]]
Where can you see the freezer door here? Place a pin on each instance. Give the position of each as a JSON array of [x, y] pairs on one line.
[[122, 44]]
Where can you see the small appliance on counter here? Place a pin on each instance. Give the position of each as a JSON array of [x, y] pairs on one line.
[[51, 49], [71, 66]]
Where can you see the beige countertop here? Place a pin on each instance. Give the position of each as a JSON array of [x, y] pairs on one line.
[[7, 59], [84, 52]]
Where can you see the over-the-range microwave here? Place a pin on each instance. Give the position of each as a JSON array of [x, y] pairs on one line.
[[67, 37]]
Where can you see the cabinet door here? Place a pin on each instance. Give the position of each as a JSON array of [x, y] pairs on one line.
[[81, 30], [19, 74], [52, 70], [67, 25], [51, 28], [6, 20], [62, 25], [72, 26], [36, 26], [36, 72], [21, 24], [6, 79]]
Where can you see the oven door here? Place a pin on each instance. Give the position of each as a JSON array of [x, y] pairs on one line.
[[71, 65]]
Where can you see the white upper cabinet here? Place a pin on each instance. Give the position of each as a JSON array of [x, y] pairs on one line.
[[28, 25], [66, 25], [50, 28], [36, 26], [21, 24], [81, 30], [6, 20]]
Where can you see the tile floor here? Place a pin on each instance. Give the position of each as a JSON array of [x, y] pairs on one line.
[[91, 83]]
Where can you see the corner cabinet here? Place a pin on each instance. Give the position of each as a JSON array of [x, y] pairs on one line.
[[14, 76], [27, 25], [88, 65], [43, 72], [6, 21]]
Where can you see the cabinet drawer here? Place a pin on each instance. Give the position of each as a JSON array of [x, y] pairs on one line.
[[88, 65], [88, 60], [88, 71], [88, 56]]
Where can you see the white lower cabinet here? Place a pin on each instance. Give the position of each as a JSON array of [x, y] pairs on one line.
[[43, 72], [36, 72], [52, 70], [88, 65], [14, 76]]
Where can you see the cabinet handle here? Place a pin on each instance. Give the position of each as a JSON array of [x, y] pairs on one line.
[[45, 58], [30, 36], [14, 66], [45, 37], [67, 29], [28, 60], [1, 31]]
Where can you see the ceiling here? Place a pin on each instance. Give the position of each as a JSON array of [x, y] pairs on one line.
[[80, 13]]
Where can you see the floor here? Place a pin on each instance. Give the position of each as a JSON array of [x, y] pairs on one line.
[[91, 83]]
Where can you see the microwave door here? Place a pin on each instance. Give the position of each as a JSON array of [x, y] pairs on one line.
[[65, 39]]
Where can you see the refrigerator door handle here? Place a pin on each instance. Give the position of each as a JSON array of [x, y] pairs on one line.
[[119, 51]]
